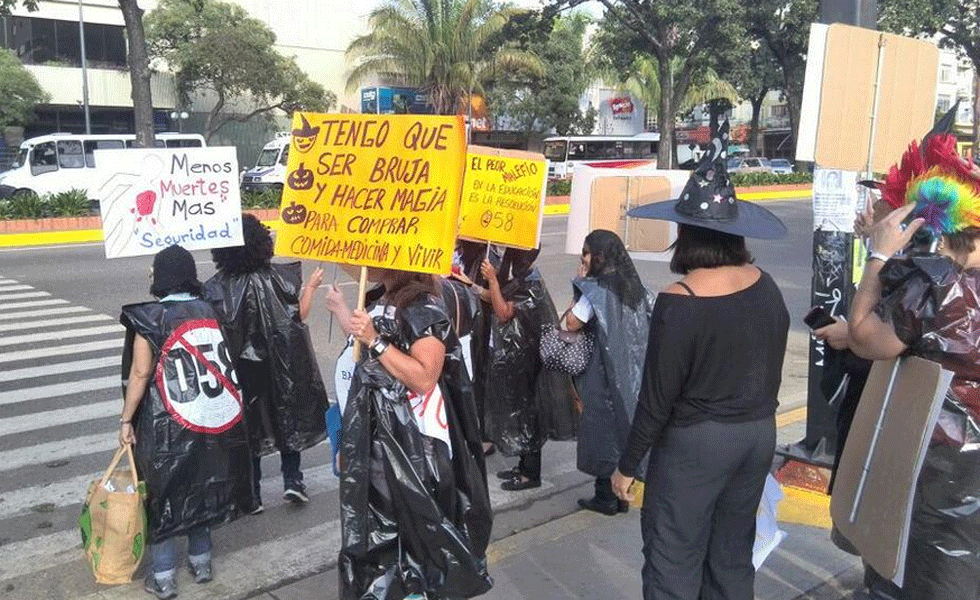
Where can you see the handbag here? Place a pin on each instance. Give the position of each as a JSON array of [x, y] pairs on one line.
[[566, 351]]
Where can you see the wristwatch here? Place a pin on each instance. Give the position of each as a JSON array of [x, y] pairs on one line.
[[378, 347]]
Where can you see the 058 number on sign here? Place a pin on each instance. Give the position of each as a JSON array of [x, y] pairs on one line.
[[498, 220]]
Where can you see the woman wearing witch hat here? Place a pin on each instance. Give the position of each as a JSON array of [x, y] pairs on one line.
[[706, 410]]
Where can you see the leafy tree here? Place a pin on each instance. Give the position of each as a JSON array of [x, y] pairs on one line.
[[448, 48], [956, 21], [754, 77], [548, 100], [139, 65], [216, 47], [681, 37], [784, 27], [19, 91]]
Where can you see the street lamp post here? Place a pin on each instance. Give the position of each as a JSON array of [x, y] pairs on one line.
[[179, 116], [81, 38]]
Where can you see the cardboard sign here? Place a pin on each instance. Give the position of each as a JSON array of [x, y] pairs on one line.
[[503, 197], [158, 197], [885, 449], [373, 190], [853, 73], [602, 195]]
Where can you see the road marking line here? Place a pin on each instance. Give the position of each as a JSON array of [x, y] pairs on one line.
[[47, 247], [60, 389], [42, 552], [57, 450], [48, 302], [59, 368], [791, 416], [28, 314], [13, 287], [59, 335], [21, 295], [53, 322], [61, 416], [69, 350]]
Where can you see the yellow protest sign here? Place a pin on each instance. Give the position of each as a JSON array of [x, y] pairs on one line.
[[503, 197], [373, 190]]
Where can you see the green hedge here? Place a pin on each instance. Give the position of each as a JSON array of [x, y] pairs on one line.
[[73, 203], [268, 198], [753, 179], [559, 187]]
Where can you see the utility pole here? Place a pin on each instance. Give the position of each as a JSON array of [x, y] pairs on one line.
[[81, 38]]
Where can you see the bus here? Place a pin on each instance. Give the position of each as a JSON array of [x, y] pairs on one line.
[[269, 171], [563, 153], [61, 162]]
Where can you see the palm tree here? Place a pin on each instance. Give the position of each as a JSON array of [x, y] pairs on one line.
[[446, 48]]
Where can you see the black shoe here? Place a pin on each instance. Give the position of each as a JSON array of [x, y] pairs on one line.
[[606, 507], [519, 483], [624, 506], [509, 473], [296, 493], [201, 573], [164, 590]]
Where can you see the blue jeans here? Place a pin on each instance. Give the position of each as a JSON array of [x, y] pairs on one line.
[[289, 464], [163, 554]]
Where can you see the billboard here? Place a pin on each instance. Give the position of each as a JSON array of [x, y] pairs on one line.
[[385, 100]]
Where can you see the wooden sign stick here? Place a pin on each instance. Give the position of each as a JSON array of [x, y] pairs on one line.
[[361, 292]]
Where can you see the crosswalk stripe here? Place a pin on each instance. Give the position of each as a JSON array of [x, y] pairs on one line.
[[34, 303], [58, 335], [59, 389], [57, 450], [13, 288], [53, 322], [59, 368], [60, 416], [44, 552], [21, 295], [67, 350], [44, 312]]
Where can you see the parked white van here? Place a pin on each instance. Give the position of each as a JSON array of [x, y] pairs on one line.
[[269, 171], [60, 162]]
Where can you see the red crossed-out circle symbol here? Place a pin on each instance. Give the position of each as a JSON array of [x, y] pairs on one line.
[[196, 378]]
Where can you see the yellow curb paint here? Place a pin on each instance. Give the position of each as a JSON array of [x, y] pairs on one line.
[[791, 416], [555, 209], [778, 195], [47, 238], [804, 507]]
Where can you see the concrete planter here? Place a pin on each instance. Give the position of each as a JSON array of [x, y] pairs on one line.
[[86, 223]]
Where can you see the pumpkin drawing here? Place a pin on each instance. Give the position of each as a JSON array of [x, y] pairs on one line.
[[294, 214], [301, 178], [304, 137]]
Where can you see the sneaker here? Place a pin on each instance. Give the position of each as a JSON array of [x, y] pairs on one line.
[[167, 588], [202, 572], [519, 483], [259, 509], [605, 507], [509, 473], [295, 492]]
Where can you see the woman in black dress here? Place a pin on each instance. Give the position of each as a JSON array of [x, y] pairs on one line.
[[707, 403]]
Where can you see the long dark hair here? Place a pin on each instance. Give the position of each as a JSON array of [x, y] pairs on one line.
[[612, 266], [404, 287], [516, 263], [254, 255]]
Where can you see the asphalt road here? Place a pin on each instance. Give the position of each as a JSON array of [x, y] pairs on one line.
[[59, 400]]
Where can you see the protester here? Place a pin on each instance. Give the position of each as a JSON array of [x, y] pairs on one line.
[[706, 410], [926, 303], [183, 412], [415, 512], [263, 307], [612, 303], [524, 392]]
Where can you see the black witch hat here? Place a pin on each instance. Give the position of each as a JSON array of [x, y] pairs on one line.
[[942, 127], [708, 200]]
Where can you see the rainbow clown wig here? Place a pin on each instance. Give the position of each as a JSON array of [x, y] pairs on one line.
[[944, 187]]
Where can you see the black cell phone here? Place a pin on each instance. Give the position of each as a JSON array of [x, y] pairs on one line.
[[818, 317]]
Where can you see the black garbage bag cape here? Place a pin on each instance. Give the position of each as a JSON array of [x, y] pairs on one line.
[[610, 385], [415, 511], [934, 307], [284, 392], [191, 440], [526, 404]]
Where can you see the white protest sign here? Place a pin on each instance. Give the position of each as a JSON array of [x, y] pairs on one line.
[[157, 197]]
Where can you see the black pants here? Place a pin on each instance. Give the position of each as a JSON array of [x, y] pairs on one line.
[[289, 466], [530, 465], [699, 510]]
